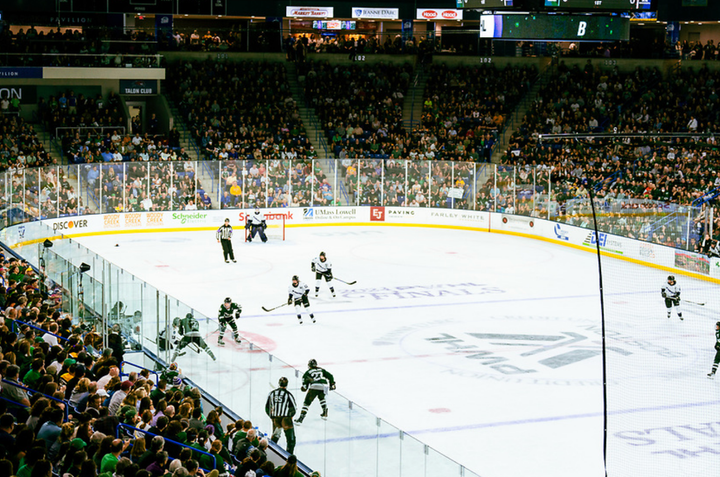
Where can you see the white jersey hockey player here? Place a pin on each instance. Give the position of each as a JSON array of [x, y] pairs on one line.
[[322, 268], [671, 293], [256, 225], [298, 295]]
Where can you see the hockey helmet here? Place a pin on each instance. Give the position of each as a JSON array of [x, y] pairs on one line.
[[671, 278], [717, 325], [227, 220], [295, 278], [283, 382], [257, 210], [189, 315], [228, 300], [312, 363], [176, 321], [322, 256]]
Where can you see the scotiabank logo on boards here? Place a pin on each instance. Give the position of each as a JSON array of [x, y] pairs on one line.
[[268, 217], [70, 224]]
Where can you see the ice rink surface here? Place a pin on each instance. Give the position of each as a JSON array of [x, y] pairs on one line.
[[486, 347]]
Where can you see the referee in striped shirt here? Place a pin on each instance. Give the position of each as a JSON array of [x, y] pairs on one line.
[[223, 236], [281, 408]]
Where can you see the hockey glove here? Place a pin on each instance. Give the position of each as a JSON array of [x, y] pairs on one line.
[[677, 301], [717, 346], [664, 295], [332, 387], [289, 300], [307, 292], [264, 225], [303, 388], [247, 226], [312, 267], [329, 275]]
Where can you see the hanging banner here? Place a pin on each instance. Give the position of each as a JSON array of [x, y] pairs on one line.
[[436, 14], [20, 72], [376, 13], [138, 86], [309, 12]]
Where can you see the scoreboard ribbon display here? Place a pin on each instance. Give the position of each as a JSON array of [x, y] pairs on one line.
[[554, 27], [589, 5]]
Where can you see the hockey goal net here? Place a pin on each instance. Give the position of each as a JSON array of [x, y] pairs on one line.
[[275, 228]]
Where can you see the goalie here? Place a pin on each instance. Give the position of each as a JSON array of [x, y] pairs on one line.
[[229, 312], [189, 329], [322, 268], [256, 225]]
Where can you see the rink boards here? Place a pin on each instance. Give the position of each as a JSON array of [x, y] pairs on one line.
[[643, 253]]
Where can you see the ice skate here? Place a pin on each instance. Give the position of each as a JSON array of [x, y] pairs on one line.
[[221, 342], [227, 261], [299, 420], [711, 375], [324, 414]]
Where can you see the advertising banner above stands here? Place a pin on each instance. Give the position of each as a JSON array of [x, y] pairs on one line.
[[436, 14], [309, 12], [376, 13], [644, 253], [20, 72], [138, 87]]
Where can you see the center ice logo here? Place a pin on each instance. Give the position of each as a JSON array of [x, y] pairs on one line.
[[541, 350]]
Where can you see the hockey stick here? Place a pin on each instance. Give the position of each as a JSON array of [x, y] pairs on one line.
[[346, 283], [274, 308], [694, 303]]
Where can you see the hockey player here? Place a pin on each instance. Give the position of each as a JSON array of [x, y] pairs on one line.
[[717, 351], [189, 329], [281, 408], [224, 237], [322, 268], [298, 294], [229, 312], [164, 343], [671, 293], [316, 381], [256, 225]]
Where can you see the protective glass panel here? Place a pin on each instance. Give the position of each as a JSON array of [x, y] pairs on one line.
[[525, 190], [504, 190], [441, 184], [112, 176], [160, 182], [418, 183], [370, 181], [31, 196], [279, 190], [325, 188], [485, 191], [231, 184], [461, 191], [300, 185]]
